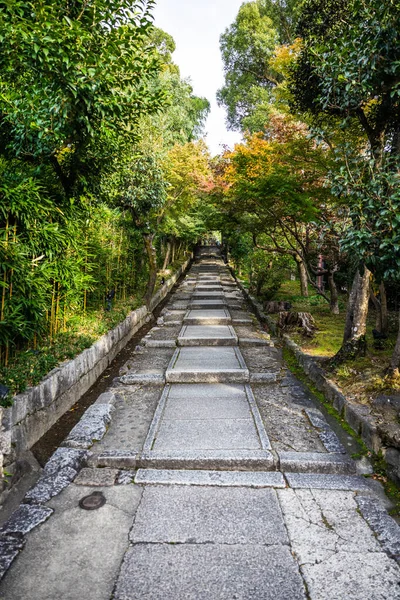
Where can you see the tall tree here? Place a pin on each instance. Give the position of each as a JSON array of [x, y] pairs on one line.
[[72, 74], [247, 48], [349, 71]]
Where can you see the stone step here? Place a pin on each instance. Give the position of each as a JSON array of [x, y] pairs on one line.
[[299, 481], [256, 479], [207, 365], [208, 376], [205, 303], [207, 335], [316, 462], [219, 460], [207, 427], [208, 287], [207, 317]]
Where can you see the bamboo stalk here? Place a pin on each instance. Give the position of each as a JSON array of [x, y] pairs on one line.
[[57, 308], [52, 311]]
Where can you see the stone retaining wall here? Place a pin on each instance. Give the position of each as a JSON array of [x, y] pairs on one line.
[[357, 416], [38, 408]]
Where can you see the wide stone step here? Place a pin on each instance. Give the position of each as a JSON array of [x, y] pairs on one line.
[[210, 316], [206, 294], [316, 462], [208, 287], [207, 365], [225, 460], [252, 479], [207, 427], [205, 303], [207, 335]]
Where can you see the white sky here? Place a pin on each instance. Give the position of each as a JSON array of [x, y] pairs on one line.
[[196, 26]]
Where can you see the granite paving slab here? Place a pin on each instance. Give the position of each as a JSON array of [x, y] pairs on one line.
[[210, 434], [339, 554], [207, 335], [215, 358], [76, 554], [253, 479], [201, 572], [207, 407], [176, 514]]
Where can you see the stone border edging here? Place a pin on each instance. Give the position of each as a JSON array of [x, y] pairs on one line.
[[38, 408], [357, 416]]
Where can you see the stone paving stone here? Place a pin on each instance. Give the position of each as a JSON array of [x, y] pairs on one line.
[[178, 514], [287, 426], [10, 546], [207, 331], [212, 316], [354, 576], [209, 434], [76, 554], [316, 462], [385, 528], [206, 304], [202, 572], [96, 477], [25, 518], [207, 407], [207, 335], [259, 359], [218, 390], [147, 361], [91, 428], [339, 554], [207, 358], [326, 482], [252, 479], [221, 460]]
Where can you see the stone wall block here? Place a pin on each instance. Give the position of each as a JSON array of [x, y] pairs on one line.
[[369, 434], [392, 456]]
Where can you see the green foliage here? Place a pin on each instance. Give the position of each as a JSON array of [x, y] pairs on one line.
[[267, 273], [143, 190], [348, 71], [248, 47]]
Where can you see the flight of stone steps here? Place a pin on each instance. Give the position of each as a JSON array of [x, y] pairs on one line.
[[222, 404]]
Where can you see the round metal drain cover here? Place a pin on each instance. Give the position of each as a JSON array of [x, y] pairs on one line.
[[94, 501]]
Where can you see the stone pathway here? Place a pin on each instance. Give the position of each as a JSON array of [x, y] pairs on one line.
[[221, 478]]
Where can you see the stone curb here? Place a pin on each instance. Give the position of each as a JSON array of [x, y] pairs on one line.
[[59, 471]]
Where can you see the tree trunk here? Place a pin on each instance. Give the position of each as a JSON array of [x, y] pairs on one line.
[[303, 278], [378, 309], [334, 303], [384, 308], [173, 244], [393, 370], [381, 319], [167, 255], [354, 341], [152, 259]]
